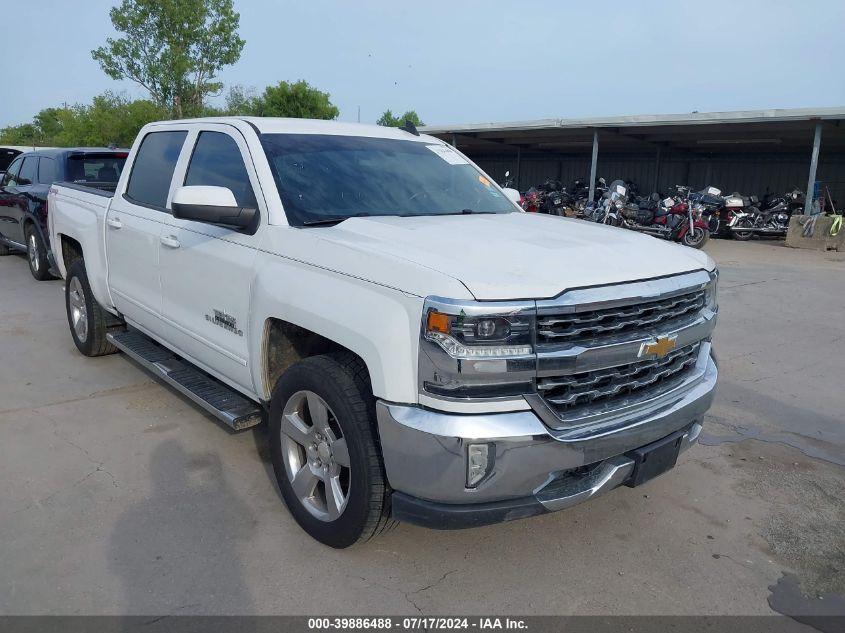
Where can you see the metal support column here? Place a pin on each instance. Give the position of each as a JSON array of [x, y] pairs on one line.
[[518, 164], [656, 170], [594, 164], [454, 141], [814, 163]]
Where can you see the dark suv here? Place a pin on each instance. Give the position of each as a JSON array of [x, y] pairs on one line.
[[23, 196]]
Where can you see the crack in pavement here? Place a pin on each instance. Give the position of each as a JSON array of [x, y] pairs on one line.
[[742, 434]]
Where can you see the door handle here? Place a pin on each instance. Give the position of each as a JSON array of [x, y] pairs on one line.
[[170, 241], [115, 223]]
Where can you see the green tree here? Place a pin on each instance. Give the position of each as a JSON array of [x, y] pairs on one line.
[[109, 119], [388, 120], [23, 134], [241, 101], [173, 48], [297, 100]]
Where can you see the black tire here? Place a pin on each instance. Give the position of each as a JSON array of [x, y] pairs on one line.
[[342, 382], [696, 237], [743, 236], [36, 255], [78, 291]]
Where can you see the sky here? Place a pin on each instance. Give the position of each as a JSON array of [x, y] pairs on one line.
[[467, 61]]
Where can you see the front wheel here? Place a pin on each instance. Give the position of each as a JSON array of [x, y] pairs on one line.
[[36, 254], [696, 237], [325, 451], [743, 235]]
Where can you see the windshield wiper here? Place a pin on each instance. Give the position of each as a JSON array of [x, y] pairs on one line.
[[334, 219]]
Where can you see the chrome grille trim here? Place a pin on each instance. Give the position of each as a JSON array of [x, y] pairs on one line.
[[587, 388], [573, 327], [607, 414]]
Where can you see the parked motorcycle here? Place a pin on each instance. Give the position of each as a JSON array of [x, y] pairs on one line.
[[674, 219], [609, 208], [772, 221], [530, 200], [710, 203]]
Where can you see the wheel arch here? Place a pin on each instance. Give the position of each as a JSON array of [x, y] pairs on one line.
[[303, 311], [285, 343]]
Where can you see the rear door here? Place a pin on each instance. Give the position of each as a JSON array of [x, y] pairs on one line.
[[133, 227], [207, 270]]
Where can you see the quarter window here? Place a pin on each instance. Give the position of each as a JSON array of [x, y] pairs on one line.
[[217, 161], [153, 168]]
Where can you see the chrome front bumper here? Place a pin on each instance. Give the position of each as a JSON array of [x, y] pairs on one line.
[[536, 469]]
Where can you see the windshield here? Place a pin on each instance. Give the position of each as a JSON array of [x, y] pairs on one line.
[[322, 178]]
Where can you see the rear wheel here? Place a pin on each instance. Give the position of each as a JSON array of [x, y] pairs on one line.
[[325, 450], [87, 320], [696, 237], [743, 235], [36, 254]]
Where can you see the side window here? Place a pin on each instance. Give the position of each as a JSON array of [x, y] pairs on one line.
[[10, 177], [29, 171], [217, 161], [46, 171], [153, 168]]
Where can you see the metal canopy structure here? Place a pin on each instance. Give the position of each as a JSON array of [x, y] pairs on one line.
[[747, 138]]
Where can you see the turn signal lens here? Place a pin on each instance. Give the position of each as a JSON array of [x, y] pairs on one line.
[[437, 322]]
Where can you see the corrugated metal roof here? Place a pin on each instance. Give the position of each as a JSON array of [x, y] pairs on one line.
[[641, 120]]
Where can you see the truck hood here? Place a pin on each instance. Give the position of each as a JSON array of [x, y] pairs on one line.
[[518, 255]]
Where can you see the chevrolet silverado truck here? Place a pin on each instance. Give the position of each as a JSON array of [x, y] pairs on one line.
[[421, 349]]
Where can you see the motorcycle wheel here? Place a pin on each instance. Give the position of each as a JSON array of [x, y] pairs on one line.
[[696, 237], [743, 236]]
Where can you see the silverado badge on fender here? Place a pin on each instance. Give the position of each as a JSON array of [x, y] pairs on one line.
[[226, 321], [661, 346]]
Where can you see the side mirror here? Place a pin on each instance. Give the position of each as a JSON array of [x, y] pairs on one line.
[[212, 205], [512, 194]]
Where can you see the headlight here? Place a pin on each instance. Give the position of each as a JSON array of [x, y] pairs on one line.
[[472, 349], [711, 290], [483, 336]]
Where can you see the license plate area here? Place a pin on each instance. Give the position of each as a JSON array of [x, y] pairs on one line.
[[655, 459]]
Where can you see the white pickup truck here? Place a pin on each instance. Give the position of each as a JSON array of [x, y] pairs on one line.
[[421, 348]]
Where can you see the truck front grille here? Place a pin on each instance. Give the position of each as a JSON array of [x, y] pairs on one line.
[[576, 326], [609, 387]]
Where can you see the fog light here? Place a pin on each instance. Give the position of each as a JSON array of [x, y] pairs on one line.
[[479, 463]]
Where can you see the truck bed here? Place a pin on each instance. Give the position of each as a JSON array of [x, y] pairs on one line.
[[78, 214]]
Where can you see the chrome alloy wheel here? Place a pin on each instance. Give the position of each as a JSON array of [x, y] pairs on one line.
[[315, 455], [78, 310], [32, 251]]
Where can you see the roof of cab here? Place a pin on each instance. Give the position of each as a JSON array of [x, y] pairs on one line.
[[276, 125]]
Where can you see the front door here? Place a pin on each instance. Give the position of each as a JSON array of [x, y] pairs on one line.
[[207, 270], [8, 202], [16, 200], [133, 229]]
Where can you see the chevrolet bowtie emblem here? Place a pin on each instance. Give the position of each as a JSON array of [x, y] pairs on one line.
[[661, 346]]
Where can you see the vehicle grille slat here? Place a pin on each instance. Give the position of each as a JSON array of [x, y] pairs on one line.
[[587, 388], [575, 327]]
